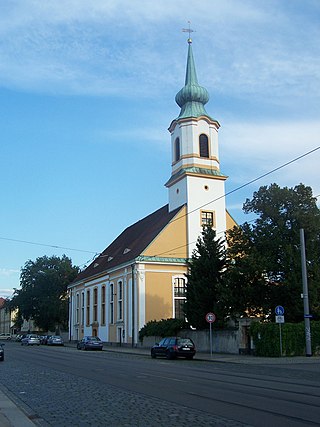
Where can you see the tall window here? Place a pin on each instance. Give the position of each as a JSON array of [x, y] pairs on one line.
[[177, 149], [77, 308], [103, 305], [111, 303], [95, 305], [207, 218], [120, 300], [204, 146], [179, 293], [82, 308], [88, 308]]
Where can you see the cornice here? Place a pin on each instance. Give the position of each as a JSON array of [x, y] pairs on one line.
[[195, 171]]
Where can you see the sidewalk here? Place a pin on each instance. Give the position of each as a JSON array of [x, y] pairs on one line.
[[224, 358], [11, 415]]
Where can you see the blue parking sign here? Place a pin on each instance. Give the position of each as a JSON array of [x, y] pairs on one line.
[[279, 310]]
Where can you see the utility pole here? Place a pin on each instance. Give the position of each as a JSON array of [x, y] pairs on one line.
[[305, 295]]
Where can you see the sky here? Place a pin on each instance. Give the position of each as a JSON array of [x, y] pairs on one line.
[[87, 93]]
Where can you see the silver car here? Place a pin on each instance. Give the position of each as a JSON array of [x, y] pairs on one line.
[[55, 340], [30, 339]]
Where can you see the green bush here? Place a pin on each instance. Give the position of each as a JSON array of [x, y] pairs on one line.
[[162, 328], [266, 338]]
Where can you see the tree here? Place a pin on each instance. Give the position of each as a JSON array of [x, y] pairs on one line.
[[266, 267], [205, 289], [43, 293]]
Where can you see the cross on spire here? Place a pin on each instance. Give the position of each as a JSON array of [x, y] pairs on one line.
[[188, 30]]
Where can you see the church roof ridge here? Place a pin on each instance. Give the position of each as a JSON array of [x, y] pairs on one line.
[[136, 237]]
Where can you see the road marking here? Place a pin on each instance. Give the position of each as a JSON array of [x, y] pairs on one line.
[[162, 377]]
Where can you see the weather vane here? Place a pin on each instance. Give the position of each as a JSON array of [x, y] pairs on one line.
[[188, 30]]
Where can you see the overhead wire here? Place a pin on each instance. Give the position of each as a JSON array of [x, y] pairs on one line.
[[182, 216], [237, 189]]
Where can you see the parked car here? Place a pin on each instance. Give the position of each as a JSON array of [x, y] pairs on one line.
[[90, 343], [172, 347], [30, 339], [55, 340], [44, 339], [1, 352], [19, 337], [5, 336]]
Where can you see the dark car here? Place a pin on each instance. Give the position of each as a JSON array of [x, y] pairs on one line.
[[1, 352], [55, 340], [90, 343], [45, 338], [173, 347]]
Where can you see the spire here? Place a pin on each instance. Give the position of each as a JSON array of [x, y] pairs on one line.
[[192, 97]]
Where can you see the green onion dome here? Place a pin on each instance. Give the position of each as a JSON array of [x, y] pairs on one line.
[[192, 97]]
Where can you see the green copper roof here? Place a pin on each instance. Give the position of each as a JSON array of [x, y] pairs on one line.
[[161, 259], [194, 170], [192, 97]]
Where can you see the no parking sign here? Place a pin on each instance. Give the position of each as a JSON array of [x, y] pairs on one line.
[[210, 317]]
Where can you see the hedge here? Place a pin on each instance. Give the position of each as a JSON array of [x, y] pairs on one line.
[[266, 338], [162, 328]]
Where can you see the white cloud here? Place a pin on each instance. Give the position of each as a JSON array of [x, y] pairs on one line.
[[106, 47], [249, 151], [6, 293], [7, 272]]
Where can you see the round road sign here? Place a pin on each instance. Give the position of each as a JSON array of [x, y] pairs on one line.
[[279, 310], [210, 317]]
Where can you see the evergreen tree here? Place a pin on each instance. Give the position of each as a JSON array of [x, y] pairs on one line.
[[205, 289]]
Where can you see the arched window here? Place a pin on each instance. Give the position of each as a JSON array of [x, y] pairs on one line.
[[95, 305], [103, 305], [120, 301], [88, 308], [111, 289], [204, 146], [177, 149]]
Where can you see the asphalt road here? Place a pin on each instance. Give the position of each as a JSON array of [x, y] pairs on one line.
[[60, 386]]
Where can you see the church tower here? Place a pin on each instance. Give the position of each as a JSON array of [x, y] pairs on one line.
[[196, 180]]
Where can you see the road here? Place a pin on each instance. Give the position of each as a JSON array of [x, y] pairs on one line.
[[61, 386]]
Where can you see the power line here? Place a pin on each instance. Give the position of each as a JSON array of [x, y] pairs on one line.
[[188, 213], [237, 189], [251, 182], [43, 244]]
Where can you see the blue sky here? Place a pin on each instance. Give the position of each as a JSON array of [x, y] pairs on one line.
[[87, 94]]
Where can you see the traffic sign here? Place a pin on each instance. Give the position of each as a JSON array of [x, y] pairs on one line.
[[210, 317], [279, 319], [279, 310]]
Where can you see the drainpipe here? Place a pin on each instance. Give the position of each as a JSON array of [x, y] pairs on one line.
[[132, 309]]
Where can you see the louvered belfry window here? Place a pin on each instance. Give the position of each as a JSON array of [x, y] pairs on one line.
[[204, 146]]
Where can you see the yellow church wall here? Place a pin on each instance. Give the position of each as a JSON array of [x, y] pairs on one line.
[[159, 290], [230, 221], [172, 241]]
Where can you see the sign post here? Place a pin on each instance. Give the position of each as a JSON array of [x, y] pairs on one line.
[[210, 318], [279, 310]]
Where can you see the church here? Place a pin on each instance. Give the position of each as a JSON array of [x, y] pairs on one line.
[[140, 276]]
